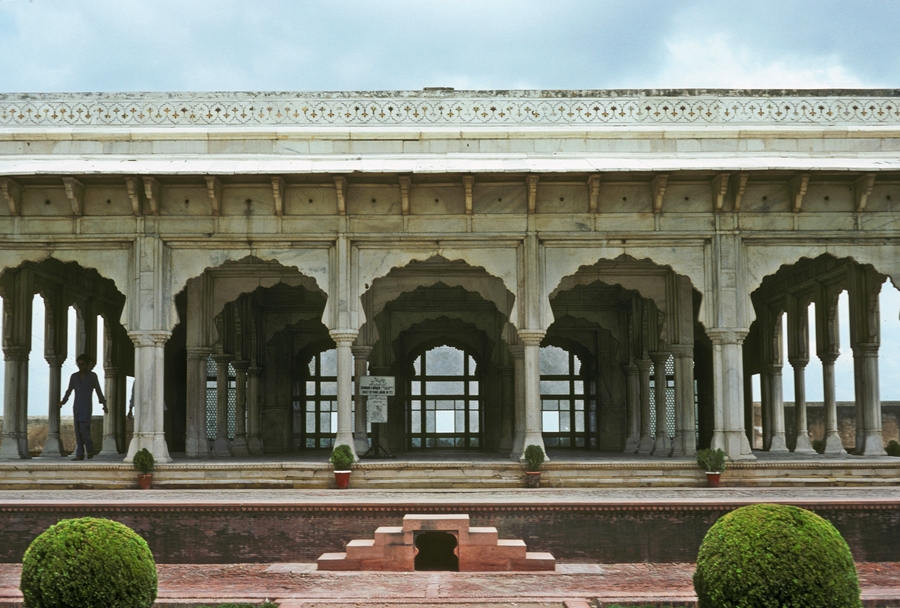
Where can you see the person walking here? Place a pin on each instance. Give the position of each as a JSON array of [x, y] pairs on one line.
[[83, 383]]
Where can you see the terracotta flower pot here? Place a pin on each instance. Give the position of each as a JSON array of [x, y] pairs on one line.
[[342, 479], [145, 479], [533, 479], [712, 478]]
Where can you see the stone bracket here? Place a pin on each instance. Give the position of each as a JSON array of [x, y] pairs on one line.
[[468, 185], [594, 193], [531, 182], [134, 193], [75, 194], [12, 193], [739, 184], [151, 191], [798, 187], [719, 186], [658, 187], [278, 187], [214, 191], [340, 186], [405, 182], [862, 188]]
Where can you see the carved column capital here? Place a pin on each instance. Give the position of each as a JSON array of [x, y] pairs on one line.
[[16, 353], [517, 351], [153, 337], [531, 337], [343, 337], [361, 352], [727, 335], [198, 352]]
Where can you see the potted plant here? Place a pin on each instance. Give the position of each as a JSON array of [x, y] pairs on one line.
[[143, 462], [342, 459], [534, 460], [713, 463]]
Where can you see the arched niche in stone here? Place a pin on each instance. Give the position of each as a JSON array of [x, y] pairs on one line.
[[375, 267], [432, 271]]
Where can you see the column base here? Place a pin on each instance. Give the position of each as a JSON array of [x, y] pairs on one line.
[[53, 447], [684, 445], [872, 444], [10, 448], [662, 446], [733, 443], [804, 445], [833, 444], [346, 438], [194, 448], [533, 438], [254, 444], [109, 445], [361, 443], [239, 446], [631, 444], [518, 446], [220, 449], [645, 446], [779, 444], [155, 442]]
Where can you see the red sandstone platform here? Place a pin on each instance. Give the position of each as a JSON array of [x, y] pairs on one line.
[[570, 586]]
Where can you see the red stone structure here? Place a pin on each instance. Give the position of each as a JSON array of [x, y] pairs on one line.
[[477, 549]]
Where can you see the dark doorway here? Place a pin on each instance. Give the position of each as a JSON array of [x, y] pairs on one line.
[[436, 552]]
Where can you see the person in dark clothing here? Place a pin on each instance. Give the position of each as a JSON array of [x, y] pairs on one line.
[[84, 382]]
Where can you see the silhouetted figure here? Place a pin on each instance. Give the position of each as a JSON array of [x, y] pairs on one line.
[[84, 382]]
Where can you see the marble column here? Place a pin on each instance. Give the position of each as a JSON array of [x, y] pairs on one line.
[[239, 443], [765, 402], [149, 401], [518, 354], [111, 358], [633, 405], [662, 446], [532, 379], [196, 440], [506, 395], [778, 443], [685, 421], [728, 387], [221, 446], [361, 368], [865, 338], [254, 440], [17, 305], [55, 350], [121, 422], [833, 443], [646, 444], [344, 339], [798, 357]]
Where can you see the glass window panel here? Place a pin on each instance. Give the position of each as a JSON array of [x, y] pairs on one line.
[[312, 366], [550, 422], [417, 442], [324, 422], [460, 426], [444, 388], [429, 422], [579, 404], [310, 442], [444, 422], [565, 442], [473, 404], [551, 442], [554, 361], [310, 388], [446, 442], [310, 422], [417, 365], [328, 388], [554, 387], [564, 421], [549, 405], [473, 422], [310, 406], [445, 405], [328, 360], [579, 387], [429, 405], [444, 361], [459, 404], [333, 422], [416, 421], [576, 365], [579, 422], [472, 365], [416, 387], [429, 442], [473, 388], [474, 442], [579, 442]]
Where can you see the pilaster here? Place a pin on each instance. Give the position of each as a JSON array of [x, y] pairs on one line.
[[344, 339], [531, 339], [149, 405], [361, 368], [646, 444], [239, 445], [518, 354], [685, 443], [633, 405], [728, 381], [221, 448], [662, 446], [254, 440]]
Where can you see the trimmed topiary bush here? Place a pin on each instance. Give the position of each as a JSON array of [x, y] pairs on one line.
[[88, 563], [770, 556], [893, 448]]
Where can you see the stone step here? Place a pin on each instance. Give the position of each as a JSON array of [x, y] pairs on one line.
[[483, 535], [337, 561], [364, 549], [389, 535], [535, 560]]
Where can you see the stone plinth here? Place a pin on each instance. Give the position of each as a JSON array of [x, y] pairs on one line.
[[478, 549]]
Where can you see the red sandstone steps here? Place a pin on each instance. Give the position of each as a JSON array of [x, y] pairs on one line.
[[478, 549]]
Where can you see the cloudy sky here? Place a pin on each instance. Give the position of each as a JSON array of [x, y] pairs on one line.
[[231, 45]]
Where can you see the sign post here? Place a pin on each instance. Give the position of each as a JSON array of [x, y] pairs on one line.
[[376, 389]]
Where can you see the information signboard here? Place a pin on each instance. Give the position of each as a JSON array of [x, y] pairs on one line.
[[376, 385], [376, 409]]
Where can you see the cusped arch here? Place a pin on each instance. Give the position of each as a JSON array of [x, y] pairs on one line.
[[456, 340]]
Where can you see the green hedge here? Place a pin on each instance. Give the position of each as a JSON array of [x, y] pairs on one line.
[[774, 556], [88, 563]]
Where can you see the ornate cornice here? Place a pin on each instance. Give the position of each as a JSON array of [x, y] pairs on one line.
[[453, 108]]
